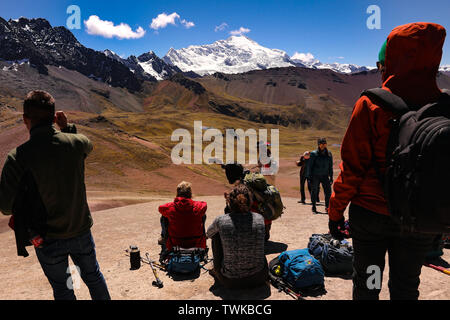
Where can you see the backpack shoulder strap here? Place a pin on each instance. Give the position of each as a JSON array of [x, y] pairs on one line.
[[446, 93], [436, 109], [387, 100]]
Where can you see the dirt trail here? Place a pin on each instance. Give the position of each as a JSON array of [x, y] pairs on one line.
[[116, 229]]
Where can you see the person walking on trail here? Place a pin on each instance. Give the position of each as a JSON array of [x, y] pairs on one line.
[[182, 222], [303, 163], [53, 162], [238, 244], [320, 171], [409, 62]]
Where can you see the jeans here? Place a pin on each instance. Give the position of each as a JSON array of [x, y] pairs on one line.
[[375, 234], [54, 260], [315, 185]]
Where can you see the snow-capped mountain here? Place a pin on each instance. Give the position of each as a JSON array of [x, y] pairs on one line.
[[36, 41], [111, 54], [445, 68], [240, 54], [237, 54], [308, 60], [147, 66], [156, 67]]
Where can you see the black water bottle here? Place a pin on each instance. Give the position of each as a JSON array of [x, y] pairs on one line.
[[135, 258]]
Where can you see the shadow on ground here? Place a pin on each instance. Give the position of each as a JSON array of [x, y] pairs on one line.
[[274, 247], [185, 277], [257, 293]]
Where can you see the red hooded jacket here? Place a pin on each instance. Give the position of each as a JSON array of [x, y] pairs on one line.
[[186, 227], [413, 56]]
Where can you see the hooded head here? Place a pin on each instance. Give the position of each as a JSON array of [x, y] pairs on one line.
[[412, 57], [234, 172]]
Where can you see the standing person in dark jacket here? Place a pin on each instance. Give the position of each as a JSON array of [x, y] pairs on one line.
[[55, 159], [303, 163], [320, 171], [409, 62]]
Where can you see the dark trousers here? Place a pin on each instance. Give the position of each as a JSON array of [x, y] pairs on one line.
[[54, 259], [375, 234], [255, 280], [316, 181], [302, 189]]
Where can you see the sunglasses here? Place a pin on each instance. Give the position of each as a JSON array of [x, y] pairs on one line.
[[379, 65]]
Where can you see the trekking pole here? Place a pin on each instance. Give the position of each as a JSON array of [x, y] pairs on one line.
[[157, 265], [292, 293], [157, 283], [282, 287], [439, 268]]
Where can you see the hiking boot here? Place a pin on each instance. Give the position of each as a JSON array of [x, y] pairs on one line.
[[161, 241], [301, 201]]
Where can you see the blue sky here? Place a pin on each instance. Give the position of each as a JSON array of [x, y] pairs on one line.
[[332, 30]]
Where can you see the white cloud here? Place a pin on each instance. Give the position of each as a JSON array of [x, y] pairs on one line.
[[187, 24], [240, 32], [96, 26], [221, 27], [163, 19], [308, 57]]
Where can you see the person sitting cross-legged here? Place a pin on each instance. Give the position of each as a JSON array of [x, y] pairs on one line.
[[182, 221], [238, 244]]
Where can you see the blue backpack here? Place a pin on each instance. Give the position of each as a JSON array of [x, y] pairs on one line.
[[185, 261], [300, 269]]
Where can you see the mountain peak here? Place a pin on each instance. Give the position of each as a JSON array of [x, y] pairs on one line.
[[43, 45], [147, 56], [240, 37], [237, 54], [309, 61], [34, 23]]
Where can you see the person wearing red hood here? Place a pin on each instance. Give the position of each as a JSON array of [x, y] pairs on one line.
[[409, 62], [185, 220]]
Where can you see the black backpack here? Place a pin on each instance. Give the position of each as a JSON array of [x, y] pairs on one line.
[[417, 177], [335, 256]]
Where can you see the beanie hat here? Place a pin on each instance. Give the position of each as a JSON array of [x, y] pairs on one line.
[[382, 54], [322, 141]]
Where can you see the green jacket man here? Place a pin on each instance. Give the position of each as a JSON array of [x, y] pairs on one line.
[[54, 161]]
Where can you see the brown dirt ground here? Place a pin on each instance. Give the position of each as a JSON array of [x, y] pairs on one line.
[[116, 229]]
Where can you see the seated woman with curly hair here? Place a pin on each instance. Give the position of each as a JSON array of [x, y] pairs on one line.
[[238, 244]]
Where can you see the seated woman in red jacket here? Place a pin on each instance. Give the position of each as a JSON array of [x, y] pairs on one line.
[[183, 221]]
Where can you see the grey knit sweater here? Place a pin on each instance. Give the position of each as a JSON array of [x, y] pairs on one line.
[[242, 236]]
